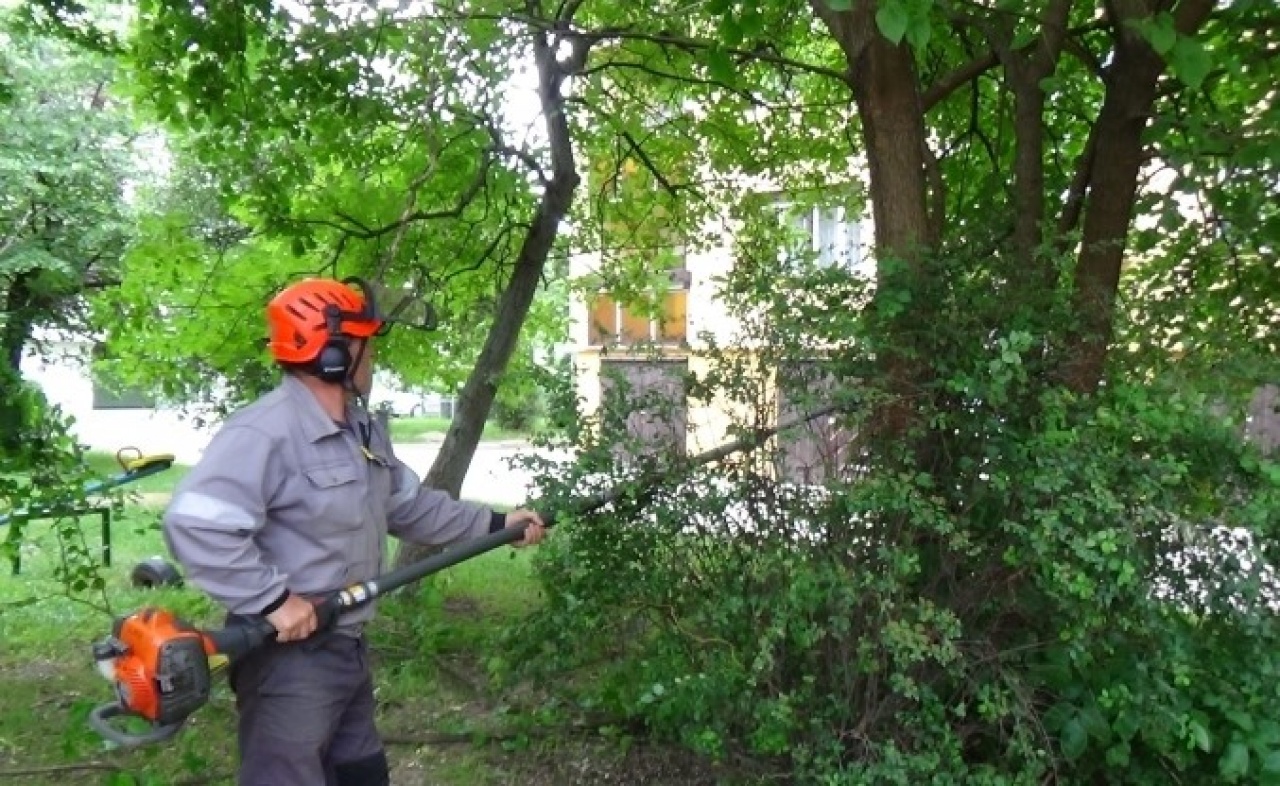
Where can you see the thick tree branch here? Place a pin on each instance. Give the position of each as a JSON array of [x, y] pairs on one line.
[[1074, 202], [1027, 70], [963, 74], [958, 78], [854, 29], [1112, 182]]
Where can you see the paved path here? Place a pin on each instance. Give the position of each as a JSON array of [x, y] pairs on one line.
[[490, 478]]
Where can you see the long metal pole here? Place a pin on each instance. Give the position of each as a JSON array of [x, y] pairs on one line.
[[360, 594]]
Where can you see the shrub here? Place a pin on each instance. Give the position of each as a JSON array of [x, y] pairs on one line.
[[1029, 587]]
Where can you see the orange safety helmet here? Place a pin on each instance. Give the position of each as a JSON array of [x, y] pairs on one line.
[[300, 326]]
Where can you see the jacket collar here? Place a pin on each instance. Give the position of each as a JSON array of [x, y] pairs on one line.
[[315, 423]]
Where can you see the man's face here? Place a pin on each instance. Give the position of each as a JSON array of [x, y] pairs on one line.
[[362, 352]]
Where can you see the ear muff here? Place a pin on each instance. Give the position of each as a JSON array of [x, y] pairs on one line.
[[334, 361]]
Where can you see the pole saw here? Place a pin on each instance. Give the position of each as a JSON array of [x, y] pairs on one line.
[[162, 668]]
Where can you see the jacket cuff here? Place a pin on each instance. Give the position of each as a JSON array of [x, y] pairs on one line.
[[497, 522], [277, 603]]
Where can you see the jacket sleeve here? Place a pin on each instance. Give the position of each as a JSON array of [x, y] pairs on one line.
[[217, 509], [429, 516]]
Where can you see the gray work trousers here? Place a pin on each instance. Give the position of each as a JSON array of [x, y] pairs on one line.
[[306, 709]]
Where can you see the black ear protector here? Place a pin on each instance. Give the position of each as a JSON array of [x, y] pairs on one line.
[[334, 362]]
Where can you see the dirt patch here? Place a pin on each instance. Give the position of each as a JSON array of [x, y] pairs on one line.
[[603, 764], [154, 499], [553, 763], [461, 606], [35, 670]]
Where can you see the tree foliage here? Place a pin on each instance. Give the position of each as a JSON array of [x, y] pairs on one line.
[[338, 140], [67, 147], [65, 161]]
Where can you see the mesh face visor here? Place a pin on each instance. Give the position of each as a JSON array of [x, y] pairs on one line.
[[401, 306]]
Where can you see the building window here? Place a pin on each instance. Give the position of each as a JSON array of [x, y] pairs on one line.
[[612, 323], [827, 236]]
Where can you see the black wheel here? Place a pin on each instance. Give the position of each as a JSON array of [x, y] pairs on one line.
[[155, 572]]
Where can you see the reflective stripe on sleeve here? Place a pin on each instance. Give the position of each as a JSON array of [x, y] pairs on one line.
[[211, 509]]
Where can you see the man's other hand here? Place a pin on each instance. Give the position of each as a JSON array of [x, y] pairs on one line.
[[294, 620], [534, 532]]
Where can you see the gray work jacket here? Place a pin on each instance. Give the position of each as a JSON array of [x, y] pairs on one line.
[[283, 497]]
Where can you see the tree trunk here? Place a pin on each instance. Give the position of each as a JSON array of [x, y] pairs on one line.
[[1113, 185], [13, 339], [886, 90], [476, 398], [17, 327]]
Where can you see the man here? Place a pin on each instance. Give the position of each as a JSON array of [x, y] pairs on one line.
[[292, 499]]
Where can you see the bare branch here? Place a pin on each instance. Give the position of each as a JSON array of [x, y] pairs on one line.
[[13, 239], [685, 78], [638, 149], [60, 769], [433, 163], [1074, 202], [760, 55], [967, 72], [501, 147], [503, 234], [957, 78], [938, 189], [410, 215]]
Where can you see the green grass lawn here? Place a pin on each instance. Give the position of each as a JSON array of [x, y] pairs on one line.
[[49, 683]]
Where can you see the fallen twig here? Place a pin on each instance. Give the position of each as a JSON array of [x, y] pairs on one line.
[[444, 738], [208, 777], [99, 766]]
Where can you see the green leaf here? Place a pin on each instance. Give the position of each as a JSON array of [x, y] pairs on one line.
[[1200, 735], [1271, 763], [1190, 61], [839, 5], [1074, 739], [919, 32], [753, 23], [731, 31], [1242, 719], [1234, 762], [1161, 34], [1095, 724], [893, 20], [720, 65]]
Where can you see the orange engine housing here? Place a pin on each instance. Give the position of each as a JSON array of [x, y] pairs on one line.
[[162, 667]]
